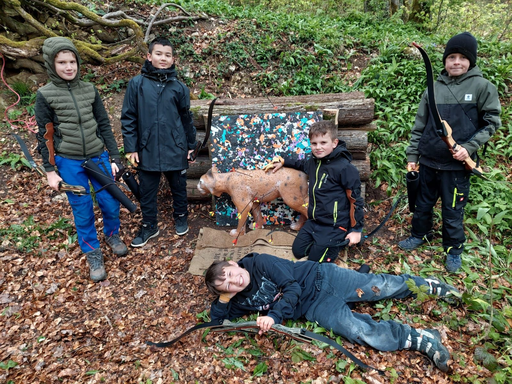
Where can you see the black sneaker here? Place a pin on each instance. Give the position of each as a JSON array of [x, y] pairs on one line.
[[181, 225], [411, 243], [117, 245], [428, 342], [445, 291], [96, 266], [147, 231]]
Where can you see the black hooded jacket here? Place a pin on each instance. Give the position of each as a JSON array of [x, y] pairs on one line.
[[334, 189], [280, 288], [156, 120]]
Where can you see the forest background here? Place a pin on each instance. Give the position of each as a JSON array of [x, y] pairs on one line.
[[58, 327]]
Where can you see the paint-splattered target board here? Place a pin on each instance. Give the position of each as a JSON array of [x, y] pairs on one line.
[[250, 142]]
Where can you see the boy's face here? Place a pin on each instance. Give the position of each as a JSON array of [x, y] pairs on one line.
[[66, 65], [322, 145], [161, 57], [236, 279], [456, 64]]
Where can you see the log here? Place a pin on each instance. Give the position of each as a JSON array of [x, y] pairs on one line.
[[354, 108], [357, 141], [199, 167], [192, 192], [363, 166]]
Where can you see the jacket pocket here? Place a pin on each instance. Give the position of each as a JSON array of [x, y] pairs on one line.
[[179, 139]]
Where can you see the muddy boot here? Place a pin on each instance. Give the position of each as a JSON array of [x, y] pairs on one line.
[[116, 244], [96, 266]]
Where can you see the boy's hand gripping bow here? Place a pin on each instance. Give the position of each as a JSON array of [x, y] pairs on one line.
[[76, 189], [443, 128]]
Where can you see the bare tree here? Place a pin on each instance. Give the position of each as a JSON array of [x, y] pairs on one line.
[[100, 37]]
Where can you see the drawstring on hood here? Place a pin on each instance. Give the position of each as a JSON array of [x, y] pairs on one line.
[[51, 47]]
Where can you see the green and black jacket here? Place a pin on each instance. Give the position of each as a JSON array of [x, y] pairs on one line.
[[470, 105], [334, 189]]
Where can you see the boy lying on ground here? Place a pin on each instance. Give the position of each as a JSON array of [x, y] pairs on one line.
[[321, 292]]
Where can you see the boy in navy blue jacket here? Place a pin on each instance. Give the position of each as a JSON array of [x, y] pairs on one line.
[[335, 209], [321, 292], [159, 136]]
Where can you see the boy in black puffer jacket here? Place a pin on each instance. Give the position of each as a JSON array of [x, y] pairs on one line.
[[470, 105], [159, 136], [335, 209]]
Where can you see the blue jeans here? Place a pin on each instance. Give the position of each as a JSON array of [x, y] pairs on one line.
[[338, 286], [72, 172]]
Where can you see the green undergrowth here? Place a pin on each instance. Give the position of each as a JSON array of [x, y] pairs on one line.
[[31, 236]]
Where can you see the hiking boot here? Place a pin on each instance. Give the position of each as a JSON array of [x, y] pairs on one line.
[[445, 291], [453, 262], [147, 231], [428, 342], [411, 243], [96, 266], [118, 247], [181, 225]]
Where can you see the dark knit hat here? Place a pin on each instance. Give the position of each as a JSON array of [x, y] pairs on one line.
[[464, 43]]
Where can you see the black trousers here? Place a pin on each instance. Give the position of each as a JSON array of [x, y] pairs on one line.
[[149, 182], [453, 189], [319, 242]]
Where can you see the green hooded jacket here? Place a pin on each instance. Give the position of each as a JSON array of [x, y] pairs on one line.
[[81, 124]]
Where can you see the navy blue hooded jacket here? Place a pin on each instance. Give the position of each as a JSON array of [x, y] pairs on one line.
[[156, 120]]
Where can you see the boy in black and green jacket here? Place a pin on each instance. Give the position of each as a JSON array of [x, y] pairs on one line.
[[335, 208], [470, 105]]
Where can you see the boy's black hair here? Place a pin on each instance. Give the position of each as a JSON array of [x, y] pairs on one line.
[[214, 274], [322, 127], [162, 41]]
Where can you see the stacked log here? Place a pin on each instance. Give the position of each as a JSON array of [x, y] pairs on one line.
[[355, 116]]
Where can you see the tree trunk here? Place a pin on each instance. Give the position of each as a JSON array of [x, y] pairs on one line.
[[354, 108]]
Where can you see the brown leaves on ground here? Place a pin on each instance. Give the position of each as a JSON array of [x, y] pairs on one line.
[[58, 326]]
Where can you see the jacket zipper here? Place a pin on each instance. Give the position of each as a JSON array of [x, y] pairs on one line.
[[324, 176], [314, 188], [79, 121], [335, 212]]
